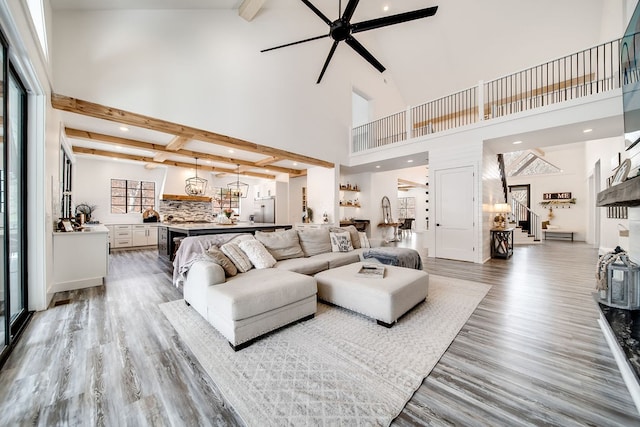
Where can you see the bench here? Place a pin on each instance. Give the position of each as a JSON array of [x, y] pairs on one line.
[[558, 234]]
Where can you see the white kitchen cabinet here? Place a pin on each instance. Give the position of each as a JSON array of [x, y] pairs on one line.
[[122, 236], [144, 235], [80, 258]]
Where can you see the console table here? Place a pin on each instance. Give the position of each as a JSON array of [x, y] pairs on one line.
[[501, 242]]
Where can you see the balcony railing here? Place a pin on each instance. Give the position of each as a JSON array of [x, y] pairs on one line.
[[584, 73]]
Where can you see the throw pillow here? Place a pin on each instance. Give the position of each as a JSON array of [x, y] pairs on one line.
[[257, 253], [364, 241], [221, 259], [237, 256], [281, 244], [314, 242], [341, 242], [353, 232]]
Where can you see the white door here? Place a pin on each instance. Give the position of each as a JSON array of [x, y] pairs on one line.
[[455, 214]]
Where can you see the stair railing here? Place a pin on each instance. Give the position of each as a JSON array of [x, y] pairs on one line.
[[521, 212]]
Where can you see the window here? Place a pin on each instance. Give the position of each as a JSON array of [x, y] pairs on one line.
[[129, 196], [36, 10]]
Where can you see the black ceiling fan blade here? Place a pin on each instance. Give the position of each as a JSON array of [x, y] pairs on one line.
[[393, 19], [298, 42], [317, 12], [326, 63], [355, 45], [348, 11]]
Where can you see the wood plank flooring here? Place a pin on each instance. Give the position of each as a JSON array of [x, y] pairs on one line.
[[531, 354]]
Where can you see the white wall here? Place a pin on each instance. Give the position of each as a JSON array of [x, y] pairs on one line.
[[571, 160], [93, 185], [604, 150], [322, 193], [295, 198]]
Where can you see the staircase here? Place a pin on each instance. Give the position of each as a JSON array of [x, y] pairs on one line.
[[520, 214]]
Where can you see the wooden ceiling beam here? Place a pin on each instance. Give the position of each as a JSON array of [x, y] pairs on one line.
[[105, 153], [177, 143], [267, 161], [90, 109], [250, 8], [163, 152], [407, 183]]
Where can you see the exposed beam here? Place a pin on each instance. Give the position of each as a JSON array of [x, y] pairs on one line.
[[177, 143], [406, 182], [86, 108], [267, 161], [161, 157], [249, 8], [105, 153], [164, 153]]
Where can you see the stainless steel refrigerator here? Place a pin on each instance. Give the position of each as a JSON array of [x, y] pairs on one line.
[[265, 210]]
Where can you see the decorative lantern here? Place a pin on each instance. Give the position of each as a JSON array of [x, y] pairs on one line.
[[623, 284]]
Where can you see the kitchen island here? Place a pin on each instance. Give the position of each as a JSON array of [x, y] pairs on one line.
[[167, 232]]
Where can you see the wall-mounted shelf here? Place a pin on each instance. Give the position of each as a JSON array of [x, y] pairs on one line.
[[626, 193]]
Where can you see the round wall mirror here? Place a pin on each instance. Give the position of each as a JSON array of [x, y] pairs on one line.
[[386, 210]]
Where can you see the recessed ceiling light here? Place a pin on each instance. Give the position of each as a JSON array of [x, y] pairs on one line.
[[124, 128], [517, 142], [377, 166], [295, 163], [410, 161], [230, 151], [587, 130]]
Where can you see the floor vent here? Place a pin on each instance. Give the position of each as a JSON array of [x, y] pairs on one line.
[[61, 302]]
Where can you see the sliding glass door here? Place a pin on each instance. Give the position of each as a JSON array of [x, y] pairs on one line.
[[13, 208]]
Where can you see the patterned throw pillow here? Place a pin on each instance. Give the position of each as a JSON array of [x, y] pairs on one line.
[[237, 256], [221, 259], [353, 232], [257, 253], [341, 242]]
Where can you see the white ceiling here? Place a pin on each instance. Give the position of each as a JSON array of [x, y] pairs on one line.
[[424, 60]]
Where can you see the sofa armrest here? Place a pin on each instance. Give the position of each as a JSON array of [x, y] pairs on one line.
[[202, 274]]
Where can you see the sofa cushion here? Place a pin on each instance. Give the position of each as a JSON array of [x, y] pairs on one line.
[[338, 259], [257, 253], [311, 265], [237, 256], [221, 259], [353, 232], [314, 242], [281, 244], [340, 242], [257, 292]]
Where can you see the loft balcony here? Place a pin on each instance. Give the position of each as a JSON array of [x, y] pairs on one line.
[[589, 72]]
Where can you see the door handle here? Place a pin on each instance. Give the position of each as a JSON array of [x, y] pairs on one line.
[[437, 225]]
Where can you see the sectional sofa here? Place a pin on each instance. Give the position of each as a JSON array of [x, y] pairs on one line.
[[251, 285]]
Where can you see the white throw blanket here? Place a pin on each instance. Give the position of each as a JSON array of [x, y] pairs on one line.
[[195, 248]]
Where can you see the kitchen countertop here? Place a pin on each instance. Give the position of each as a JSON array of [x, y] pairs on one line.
[[215, 226]]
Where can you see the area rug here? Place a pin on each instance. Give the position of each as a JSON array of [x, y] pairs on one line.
[[339, 368]]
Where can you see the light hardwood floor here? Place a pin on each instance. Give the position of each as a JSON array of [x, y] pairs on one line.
[[531, 354]]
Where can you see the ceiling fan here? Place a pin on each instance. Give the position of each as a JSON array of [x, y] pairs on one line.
[[342, 29]]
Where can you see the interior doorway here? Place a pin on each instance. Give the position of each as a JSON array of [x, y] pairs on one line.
[[522, 194]]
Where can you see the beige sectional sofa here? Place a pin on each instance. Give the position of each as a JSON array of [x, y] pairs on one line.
[[255, 301]]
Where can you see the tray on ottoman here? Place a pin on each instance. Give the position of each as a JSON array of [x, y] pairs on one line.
[[384, 299]]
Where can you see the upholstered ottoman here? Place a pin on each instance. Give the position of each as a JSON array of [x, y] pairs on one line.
[[251, 304], [384, 299]]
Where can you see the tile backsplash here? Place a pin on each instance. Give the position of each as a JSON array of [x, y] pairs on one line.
[[186, 210]]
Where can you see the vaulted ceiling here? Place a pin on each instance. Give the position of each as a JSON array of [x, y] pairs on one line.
[[465, 42]]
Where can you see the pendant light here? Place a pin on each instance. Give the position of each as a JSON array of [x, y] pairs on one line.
[[195, 186], [237, 188]]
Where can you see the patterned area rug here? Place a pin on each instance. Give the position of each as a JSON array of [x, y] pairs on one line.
[[339, 368]]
